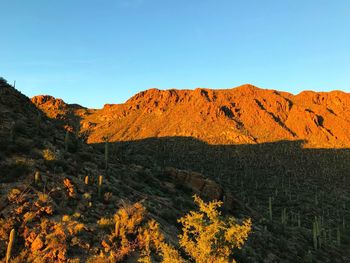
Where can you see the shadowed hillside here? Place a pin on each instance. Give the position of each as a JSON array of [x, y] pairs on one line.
[[303, 184], [51, 193]]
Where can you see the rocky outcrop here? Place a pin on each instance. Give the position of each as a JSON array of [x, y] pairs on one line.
[[200, 185], [207, 189]]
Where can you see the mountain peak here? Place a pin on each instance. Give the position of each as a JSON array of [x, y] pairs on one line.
[[245, 114]]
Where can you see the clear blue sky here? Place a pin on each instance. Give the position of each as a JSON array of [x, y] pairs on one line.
[[93, 52]]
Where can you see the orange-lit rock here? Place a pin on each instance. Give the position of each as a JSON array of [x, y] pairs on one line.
[[242, 115]]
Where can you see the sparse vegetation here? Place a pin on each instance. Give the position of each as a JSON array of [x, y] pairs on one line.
[[206, 237], [63, 203]]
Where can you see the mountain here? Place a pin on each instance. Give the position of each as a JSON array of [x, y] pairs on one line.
[[242, 115], [164, 147]]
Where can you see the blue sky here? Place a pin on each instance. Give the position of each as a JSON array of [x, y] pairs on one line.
[[93, 52]]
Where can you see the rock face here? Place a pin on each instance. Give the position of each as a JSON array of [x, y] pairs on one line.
[[206, 188], [58, 109], [242, 115], [200, 185]]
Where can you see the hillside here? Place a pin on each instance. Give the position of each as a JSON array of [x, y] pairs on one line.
[[242, 115], [285, 188], [50, 191]]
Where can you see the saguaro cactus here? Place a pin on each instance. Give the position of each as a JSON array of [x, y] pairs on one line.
[[316, 199], [270, 208], [100, 180], [106, 154], [314, 234], [284, 216], [117, 226], [66, 141], [12, 132], [37, 177], [338, 236], [10, 245], [86, 180], [38, 121]]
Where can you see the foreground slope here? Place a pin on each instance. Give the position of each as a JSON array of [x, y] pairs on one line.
[[245, 114], [250, 142], [51, 196]]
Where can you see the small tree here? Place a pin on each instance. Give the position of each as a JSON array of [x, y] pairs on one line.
[[207, 237]]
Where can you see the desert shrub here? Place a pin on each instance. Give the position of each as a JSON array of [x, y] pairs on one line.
[[133, 232], [207, 237], [151, 237], [53, 159], [71, 192], [105, 222], [123, 239], [49, 155], [13, 194], [5, 228], [56, 238]]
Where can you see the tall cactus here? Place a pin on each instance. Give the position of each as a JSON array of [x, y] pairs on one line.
[[338, 236], [12, 132], [100, 180], [10, 245], [86, 180], [38, 122], [270, 208], [106, 154], [37, 178], [66, 141], [284, 216], [117, 227], [316, 232], [316, 199], [314, 235]]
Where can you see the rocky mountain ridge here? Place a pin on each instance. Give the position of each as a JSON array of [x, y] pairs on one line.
[[242, 115]]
